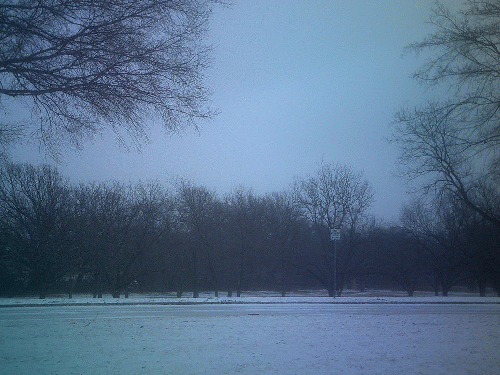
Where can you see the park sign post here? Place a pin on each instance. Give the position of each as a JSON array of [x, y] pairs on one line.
[[334, 236]]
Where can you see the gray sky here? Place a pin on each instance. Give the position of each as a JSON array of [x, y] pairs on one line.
[[295, 82]]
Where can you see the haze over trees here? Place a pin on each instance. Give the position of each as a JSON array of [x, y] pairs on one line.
[[65, 59], [56, 237], [451, 145]]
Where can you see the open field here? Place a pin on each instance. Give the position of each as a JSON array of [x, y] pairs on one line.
[[301, 296], [366, 335]]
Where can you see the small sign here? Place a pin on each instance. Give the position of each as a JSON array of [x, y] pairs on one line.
[[334, 234]]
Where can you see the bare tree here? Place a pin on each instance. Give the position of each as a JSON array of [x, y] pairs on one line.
[[455, 142], [434, 151], [35, 215], [85, 65], [100, 212], [395, 258], [244, 226], [201, 214], [336, 197], [420, 222], [282, 219], [459, 245], [119, 231], [467, 60]]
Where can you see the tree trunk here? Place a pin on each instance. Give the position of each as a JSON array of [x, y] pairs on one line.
[[98, 286], [435, 284], [73, 284], [482, 287], [216, 287], [445, 287], [361, 285], [482, 291], [213, 274], [196, 292], [331, 292], [239, 283], [42, 291], [284, 280]]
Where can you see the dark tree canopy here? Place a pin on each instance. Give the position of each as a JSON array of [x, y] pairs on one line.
[[56, 237], [84, 65]]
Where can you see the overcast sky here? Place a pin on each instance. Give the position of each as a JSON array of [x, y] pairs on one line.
[[294, 82]]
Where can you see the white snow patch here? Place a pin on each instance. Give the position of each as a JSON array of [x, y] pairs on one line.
[[305, 335], [373, 296]]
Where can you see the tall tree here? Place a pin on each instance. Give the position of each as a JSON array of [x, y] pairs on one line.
[[454, 142], [457, 242], [201, 214], [35, 216], [244, 226], [84, 65], [119, 231], [99, 211], [335, 197], [282, 222]]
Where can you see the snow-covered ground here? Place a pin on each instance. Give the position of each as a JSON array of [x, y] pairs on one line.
[[262, 334], [302, 296]]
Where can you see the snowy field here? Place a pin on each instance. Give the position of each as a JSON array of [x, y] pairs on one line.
[[301, 296], [258, 335]]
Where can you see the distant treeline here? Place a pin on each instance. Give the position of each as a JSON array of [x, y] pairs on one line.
[[98, 238]]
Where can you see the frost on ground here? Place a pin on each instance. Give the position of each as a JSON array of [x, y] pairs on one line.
[[252, 339], [305, 296]]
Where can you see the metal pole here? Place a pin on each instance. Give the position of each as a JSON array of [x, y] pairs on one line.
[[334, 269], [334, 236]]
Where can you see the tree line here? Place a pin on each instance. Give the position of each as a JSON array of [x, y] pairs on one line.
[[98, 238], [67, 62], [449, 146]]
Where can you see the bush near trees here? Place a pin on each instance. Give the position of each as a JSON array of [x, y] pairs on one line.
[[115, 238]]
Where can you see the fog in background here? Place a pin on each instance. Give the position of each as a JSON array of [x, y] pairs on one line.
[[295, 83]]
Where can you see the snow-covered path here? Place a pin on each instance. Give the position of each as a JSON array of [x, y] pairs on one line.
[[293, 338]]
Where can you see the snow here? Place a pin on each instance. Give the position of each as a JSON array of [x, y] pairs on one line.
[[253, 334], [301, 296]]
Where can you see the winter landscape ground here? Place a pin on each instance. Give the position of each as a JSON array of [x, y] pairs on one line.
[[255, 334]]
